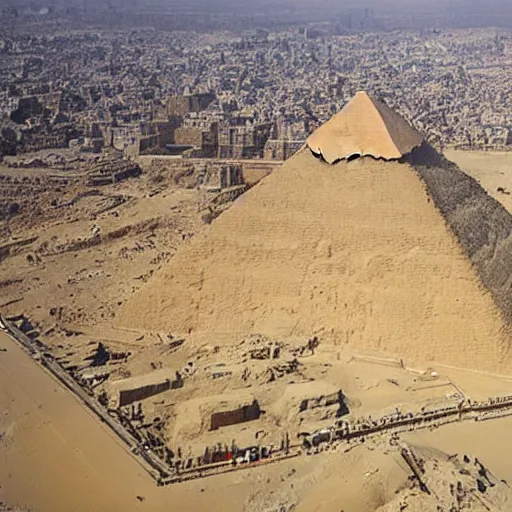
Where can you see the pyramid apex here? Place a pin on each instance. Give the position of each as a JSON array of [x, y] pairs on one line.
[[364, 127]]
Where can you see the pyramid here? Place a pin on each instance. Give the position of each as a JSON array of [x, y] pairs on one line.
[[405, 256], [364, 127]]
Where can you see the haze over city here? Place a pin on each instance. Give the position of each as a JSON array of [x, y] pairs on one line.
[[370, 15]]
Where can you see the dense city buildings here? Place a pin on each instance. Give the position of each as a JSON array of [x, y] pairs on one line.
[[253, 95]]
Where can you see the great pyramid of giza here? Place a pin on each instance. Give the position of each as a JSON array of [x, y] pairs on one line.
[[399, 252]]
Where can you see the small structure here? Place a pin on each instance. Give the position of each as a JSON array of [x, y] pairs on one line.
[[315, 399], [195, 417], [92, 377], [312, 402], [111, 171], [268, 351], [126, 391], [228, 413]]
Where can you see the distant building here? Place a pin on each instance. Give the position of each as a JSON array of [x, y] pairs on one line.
[[280, 149], [243, 141], [203, 137], [136, 138], [185, 104]]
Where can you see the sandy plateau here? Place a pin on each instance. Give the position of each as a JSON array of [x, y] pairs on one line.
[[69, 277], [491, 169]]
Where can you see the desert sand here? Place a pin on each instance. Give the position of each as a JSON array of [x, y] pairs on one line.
[[490, 168], [55, 456]]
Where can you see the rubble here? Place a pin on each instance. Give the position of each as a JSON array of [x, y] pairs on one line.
[[107, 172]]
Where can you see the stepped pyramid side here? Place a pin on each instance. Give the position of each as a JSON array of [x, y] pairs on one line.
[[364, 127], [357, 253]]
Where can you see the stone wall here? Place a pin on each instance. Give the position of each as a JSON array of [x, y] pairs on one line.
[[188, 136], [276, 149], [183, 105], [128, 396], [241, 414]]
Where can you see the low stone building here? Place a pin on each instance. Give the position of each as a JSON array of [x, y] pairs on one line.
[[240, 138], [142, 136], [310, 400], [112, 171], [230, 413], [126, 391], [195, 417], [182, 105], [202, 136]]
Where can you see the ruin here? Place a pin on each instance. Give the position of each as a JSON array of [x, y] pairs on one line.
[[197, 416], [126, 391], [311, 400], [228, 414], [112, 171]]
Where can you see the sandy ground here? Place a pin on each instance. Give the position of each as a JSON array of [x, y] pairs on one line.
[[491, 169], [86, 284], [56, 457], [487, 440]]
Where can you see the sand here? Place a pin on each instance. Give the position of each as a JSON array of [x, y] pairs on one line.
[[56, 457], [356, 253], [357, 480], [487, 440], [491, 169]]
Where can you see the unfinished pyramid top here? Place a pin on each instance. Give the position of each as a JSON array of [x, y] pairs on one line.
[[364, 127]]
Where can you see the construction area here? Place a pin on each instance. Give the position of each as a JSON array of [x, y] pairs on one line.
[[333, 311]]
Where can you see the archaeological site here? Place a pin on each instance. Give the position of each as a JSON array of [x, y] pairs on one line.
[[263, 269]]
